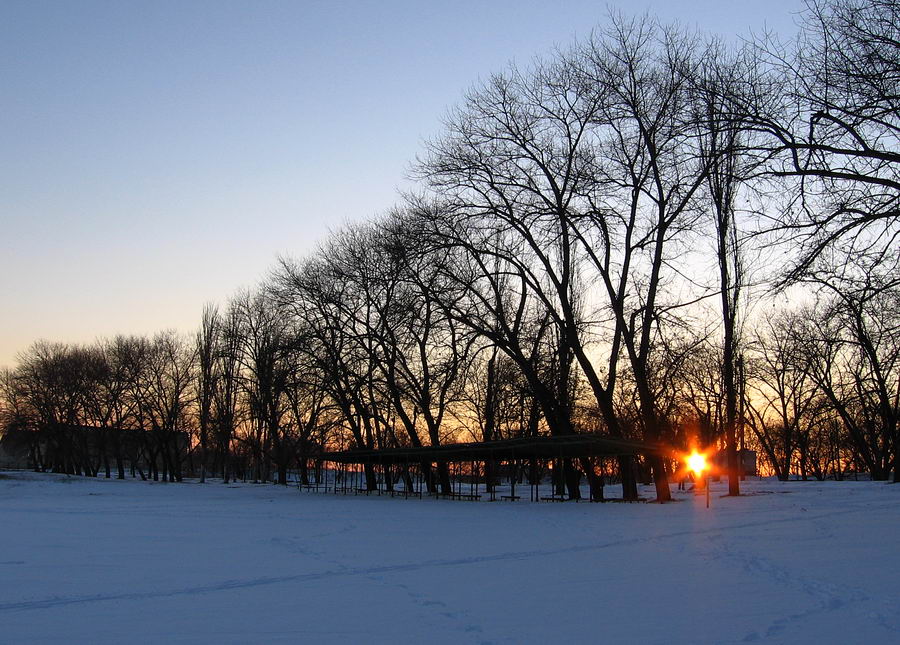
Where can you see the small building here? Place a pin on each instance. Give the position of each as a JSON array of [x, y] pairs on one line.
[[13, 459], [746, 461]]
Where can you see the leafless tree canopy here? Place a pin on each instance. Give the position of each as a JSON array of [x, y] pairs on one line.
[[649, 234]]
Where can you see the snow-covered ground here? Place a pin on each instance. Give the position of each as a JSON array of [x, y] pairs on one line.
[[97, 561]]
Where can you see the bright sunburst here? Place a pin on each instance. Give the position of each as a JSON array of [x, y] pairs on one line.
[[697, 462]]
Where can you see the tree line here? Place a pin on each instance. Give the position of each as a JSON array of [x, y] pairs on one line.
[[650, 234]]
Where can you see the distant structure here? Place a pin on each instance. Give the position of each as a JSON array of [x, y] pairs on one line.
[[13, 459], [746, 462], [77, 449], [477, 464]]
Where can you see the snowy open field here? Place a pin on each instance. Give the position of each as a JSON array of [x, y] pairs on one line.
[[96, 561]]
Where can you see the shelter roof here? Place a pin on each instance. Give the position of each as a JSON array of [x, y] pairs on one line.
[[581, 445]]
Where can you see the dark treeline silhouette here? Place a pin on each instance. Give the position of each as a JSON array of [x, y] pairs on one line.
[[648, 235]]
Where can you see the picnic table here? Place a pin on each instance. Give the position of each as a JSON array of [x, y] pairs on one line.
[[406, 493], [469, 496]]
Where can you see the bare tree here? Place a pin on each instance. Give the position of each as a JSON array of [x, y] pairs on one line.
[[165, 393], [109, 408], [266, 369], [835, 129], [651, 173], [853, 353], [782, 391], [718, 84], [316, 293], [226, 393], [206, 343]]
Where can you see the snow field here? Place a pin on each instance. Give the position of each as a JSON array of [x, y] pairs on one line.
[[106, 561]]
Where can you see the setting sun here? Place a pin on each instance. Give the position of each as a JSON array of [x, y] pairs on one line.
[[697, 462]]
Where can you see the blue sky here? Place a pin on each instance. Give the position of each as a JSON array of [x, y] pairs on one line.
[[158, 155]]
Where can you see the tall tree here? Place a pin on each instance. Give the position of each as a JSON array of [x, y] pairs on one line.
[[206, 342], [837, 129]]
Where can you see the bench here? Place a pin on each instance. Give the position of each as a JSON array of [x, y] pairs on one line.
[[406, 493], [469, 496], [511, 498], [554, 498]]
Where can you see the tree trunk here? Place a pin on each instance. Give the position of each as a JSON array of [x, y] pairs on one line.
[[371, 479], [629, 481], [443, 472]]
